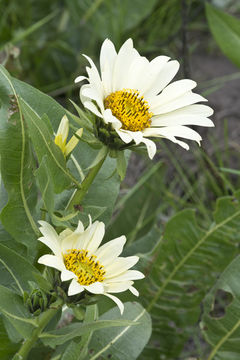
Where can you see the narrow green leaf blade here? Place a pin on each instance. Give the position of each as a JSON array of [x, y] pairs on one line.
[[226, 31]]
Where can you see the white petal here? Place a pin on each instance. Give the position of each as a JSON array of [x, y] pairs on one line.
[[151, 147], [189, 115], [64, 234], [107, 59], [110, 251], [90, 106], [70, 242], [91, 93], [80, 78], [52, 261], [172, 92], [97, 237], [153, 71], [118, 287], [164, 77], [50, 237], [95, 288], [67, 275], [128, 275], [178, 131], [75, 288], [126, 136], [134, 291], [123, 61], [80, 227], [188, 98], [120, 265], [94, 77], [108, 117], [134, 78], [117, 301]]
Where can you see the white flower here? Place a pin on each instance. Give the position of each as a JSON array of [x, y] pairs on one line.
[[62, 134], [133, 95], [99, 270]]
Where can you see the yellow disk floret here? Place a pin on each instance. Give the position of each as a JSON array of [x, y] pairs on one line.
[[87, 269], [130, 108]]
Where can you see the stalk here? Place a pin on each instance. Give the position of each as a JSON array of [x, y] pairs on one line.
[[43, 320]]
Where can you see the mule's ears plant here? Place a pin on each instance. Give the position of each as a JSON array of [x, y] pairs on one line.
[[63, 183]]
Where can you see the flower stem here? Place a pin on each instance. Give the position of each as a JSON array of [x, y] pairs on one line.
[[43, 320], [80, 193]]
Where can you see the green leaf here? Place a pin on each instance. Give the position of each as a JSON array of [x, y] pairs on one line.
[[12, 307], [124, 343], [183, 267], [7, 348], [221, 318], [16, 168], [46, 185], [121, 164], [143, 199], [60, 336], [226, 31], [16, 271], [45, 147]]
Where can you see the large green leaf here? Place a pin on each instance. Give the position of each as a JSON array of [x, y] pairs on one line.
[[16, 271], [104, 185], [124, 343], [221, 318], [143, 199], [12, 307], [183, 267], [226, 31], [16, 167], [7, 348], [60, 336]]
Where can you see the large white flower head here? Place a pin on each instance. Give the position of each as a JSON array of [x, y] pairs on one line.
[[135, 97], [99, 270]]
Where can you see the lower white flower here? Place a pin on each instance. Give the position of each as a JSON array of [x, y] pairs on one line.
[[99, 270], [135, 97]]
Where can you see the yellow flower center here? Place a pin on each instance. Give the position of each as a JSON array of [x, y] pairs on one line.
[[87, 269], [130, 108]]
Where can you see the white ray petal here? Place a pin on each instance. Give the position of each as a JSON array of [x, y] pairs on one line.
[[96, 237], [108, 117], [123, 61], [67, 275], [173, 91], [188, 98], [50, 237], [125, 135], [134, 291], [110, 251], [52, 261], [118, 287], [107, 60], [128, 275], [89, 92], [163, 79], [75, 288], [90, 106], [151, 147], [80, 78], [95, 288], [120, 265], [117, 301]]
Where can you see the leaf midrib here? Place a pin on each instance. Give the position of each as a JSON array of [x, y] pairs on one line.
[[186, 257]]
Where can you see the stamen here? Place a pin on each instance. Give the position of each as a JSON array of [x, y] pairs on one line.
[[130, 108], [87, 269]]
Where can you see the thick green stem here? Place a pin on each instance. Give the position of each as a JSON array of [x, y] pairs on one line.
[[43, 320], [80, 193]]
